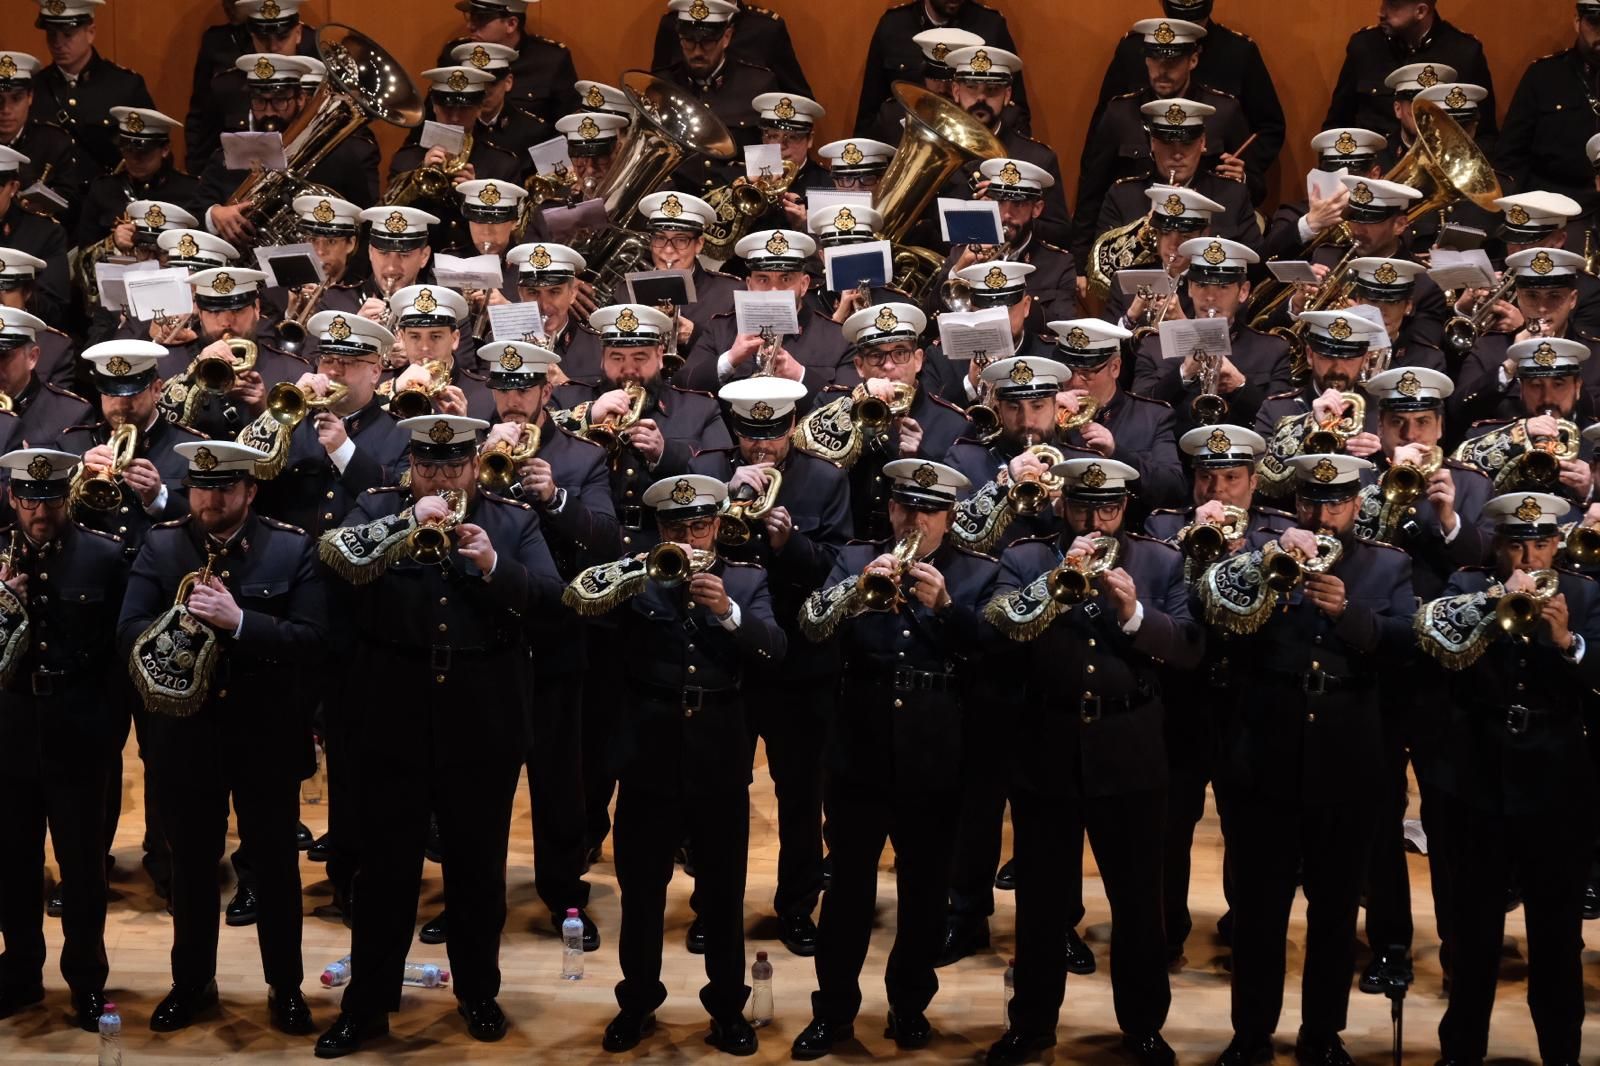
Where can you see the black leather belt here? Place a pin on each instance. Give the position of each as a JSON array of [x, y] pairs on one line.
[[631, 516], [44, 681], [440, 657], [904, 678], [688, 698], [1518, 717], [1091, 707], [1319, 683]]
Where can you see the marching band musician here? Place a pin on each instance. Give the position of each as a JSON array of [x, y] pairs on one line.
[[34, 235], [542, 68], [509, 123], [1021, 192], [759, 36], [1257, 365], [147, 173], [788, 120], [18, 281], [995, 283], [1533, 220], [1103, 774], [1547, 118], [258, 596], [44, 410], [443, 627], [933, 72], [1391, 287], [1509, 784], [398, 256], [857, 165], [58, 731], [1299, 785], [676, 223], [1296, 223], [78, 90], [681, 750], [1176, 215], [592, 139], [836, 227], [1410, 31], [907, 621], [806, 522], [333, 229], [428, 322], [888, 358], [547, 274], [1459, 101], [52, 153]]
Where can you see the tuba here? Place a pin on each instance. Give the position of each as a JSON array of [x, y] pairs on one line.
[[102, 491], [497, 464], [363, 83], [1072, 582], [738, 514], [882, 592]]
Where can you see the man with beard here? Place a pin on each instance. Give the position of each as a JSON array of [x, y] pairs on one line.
[[996, 283], [759, 36], [58, 731], [724, 83], [543, 68], [265, 601], [39, 237], [1176, 215], [398, 256], [1407, 31], [1302, 759], [147, 173], [1550, 115], [895, 54], [1026, 196], [47, 145], [45, 410], [547, 274], [79, 88], [1296, 223], [934, 74]]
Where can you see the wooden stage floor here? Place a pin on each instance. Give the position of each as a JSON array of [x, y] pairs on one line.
[[560, 1022]]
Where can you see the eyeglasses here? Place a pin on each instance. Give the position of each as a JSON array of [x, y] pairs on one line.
[[676, 531], [345, 362], [1105, 511], [22, 503], [852, 181], [879, 357], [677, 241], [455, 468]]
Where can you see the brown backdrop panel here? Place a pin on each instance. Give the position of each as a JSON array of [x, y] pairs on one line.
[[1065, 44]]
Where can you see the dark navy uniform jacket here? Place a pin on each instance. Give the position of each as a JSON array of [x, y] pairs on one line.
[[759, 36], [1262, 358], [543, 73], [47, 411], [311, 492], [1550, 118], [130, 521], [350, 170], [108, 197], [820, 348], [942, 425], [1422, 537], [1126, 201], [1361, 99], [1144, 431], [83, 108], [47, 240]]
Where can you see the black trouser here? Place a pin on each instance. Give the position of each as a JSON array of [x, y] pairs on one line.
[[861, 818], [157, 854], [555, 787], [792, 719], [57, 779], [1125, 833], [651, 825], [600, 695], [198, 766], [1549, 854], [339, 747], [1272, 841], [1186, 805], [979, 833]]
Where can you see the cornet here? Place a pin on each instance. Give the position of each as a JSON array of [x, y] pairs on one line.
[[1032, 493], [430, 542], [1402, 483], [1286, 568], [1072, 582], [289, 404], [102, 491], [1206, 542], [882, 592], [876, 414], [738, 514], [1331, 433], [497, 464]]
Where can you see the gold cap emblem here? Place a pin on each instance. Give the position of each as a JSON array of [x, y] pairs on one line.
[[441, 433], [699, 11], [627, 321], [1079, 338], [761, 411], [204, 460], [1218, 443], [134, 122], [1175, 116], [777, 244], [1346, 143], [323, 212], [588, 129], [1517, 215], [1542, 263], [117, 366], [683, 493], [154, 217], [886, 319], [40, 469], [672, 207], [270, 9], [1173, 204], [479, 57], [1361, 194], [1428, 78], [1164, 34], [594, 97], [1455, 98], [1529, 510], [1386, 274], [54, 7], [785, 108], [457, 81], [395, 223], [425, 302], [187, 247], [996, 278], [223, 283], [1408, 385], [926, 476], [540, 258], [1214, 253], [264, 69], [8, 67], [1544, 355], [490, 194], [510, 359], [1324, 471], [1094, 477], [851, 155], [1021, 373], [845, 220], [1340, 330], [1010, 174], [940, 50], [981, 63], [339, 329]]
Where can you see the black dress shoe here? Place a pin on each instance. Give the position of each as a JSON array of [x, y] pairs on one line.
[[909, 1030], [86, 1010], [183, 1007], [1017, 1047], [626, 1030], [1151, 1049], [799, 934], [13, 1000], [1080, 960], [348, 1033], [962, 937], [591, 932], [321, 849], [1389, 971], [433, 850], [1005, 879], [303, 838], [1591, 902], [242, 907], [1246, 1051], [485, 1020], [1312, 1050], [289, 1013], [436, 931], [695, 938], [818, 1038], [733, 1037], [53, 906]]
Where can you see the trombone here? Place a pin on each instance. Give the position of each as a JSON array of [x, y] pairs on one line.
[[882, 592], [1072, 582], [102, 491], [430, 542], [739, 514], [1462, 332], [497, 464]]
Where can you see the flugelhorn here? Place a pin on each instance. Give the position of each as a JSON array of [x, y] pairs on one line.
[[1031, 494], [1286, 568], [288, 403], [1073, 581], [669, 565], [430, 542], [876, 414], [415, 401], [1518, 613], [1330, 434], [738, 513], [102, 491], [1206, 542], [882, 592], [497, 464], [608, 432], [216, 374], [1402, 483]]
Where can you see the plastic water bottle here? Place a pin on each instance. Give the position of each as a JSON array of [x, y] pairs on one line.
[[337, 973], [110, 1036], [425, 975], [761, 991], [572, 946], [1011, 990]]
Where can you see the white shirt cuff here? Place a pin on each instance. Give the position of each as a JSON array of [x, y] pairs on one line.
[[209, 227], [1454, 533], [1503, 378], [342, 455], [1131, 626], [1304, 227], [966, 387], [1577, 650], [160, 502], [558, 503], [731, 622], [240, 627], [724, 366]]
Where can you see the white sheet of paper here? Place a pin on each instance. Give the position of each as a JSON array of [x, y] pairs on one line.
[[110, 279], [950, 203], [159, 292], [474, 272], [763, 160], [246, 151], [38, 190], [516, 322], [983, 335], [264, 257], [550, 157], [442, 135], [1159, 282], [1451, 269], [1322, 184], [1292, 271], [884, 248], [755, 311], [1182, 337], [816, 199]]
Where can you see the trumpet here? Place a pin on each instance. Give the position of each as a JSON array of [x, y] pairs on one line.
[[1032, 493], [1331, 433], [1518, 613], [669, 565], [302, 305], [102, 491], [415, 401], [1286, 568], [288, 403], [608, 433], [738, 514], [1206, 542], [497, 464], [215, 374], [985, 420], [386, 289], [1209, 407], [1402, 483], [671, 361], [430, 542], [1583, 545], [1072, 582], [882, 592], [1462, 332], [876, 414], [766, 353]]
